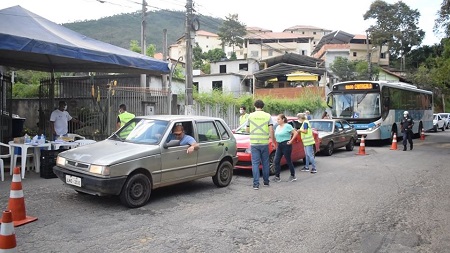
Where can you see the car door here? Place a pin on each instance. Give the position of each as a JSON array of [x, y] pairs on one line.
[[176, 163], [348, 130], [212, 138], [298, 151], [339, 136]]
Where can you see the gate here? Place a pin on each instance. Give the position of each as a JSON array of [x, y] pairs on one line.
[[95, 101]]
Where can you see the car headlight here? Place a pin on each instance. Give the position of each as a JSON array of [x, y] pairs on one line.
[[60, 161], [101, 170]]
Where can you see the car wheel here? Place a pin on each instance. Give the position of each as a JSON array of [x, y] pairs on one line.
[[136, 191], [443, 128], [329, 149], [272, 163], [351, 145], [223, 175]]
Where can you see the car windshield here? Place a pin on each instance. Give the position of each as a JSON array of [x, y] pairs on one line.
[[326, 126], [146, 131]]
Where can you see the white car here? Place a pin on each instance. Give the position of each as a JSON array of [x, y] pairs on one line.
[[446, 118], [438, 122]]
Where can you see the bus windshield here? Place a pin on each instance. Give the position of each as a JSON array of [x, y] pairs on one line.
[[356, 105]]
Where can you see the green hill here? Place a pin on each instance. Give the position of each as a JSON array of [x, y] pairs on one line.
[[120, 29]]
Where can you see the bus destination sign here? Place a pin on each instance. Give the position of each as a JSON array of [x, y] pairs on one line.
[[358, 86]]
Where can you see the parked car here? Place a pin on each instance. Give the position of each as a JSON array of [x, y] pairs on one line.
[[438, 122], [334, 134], [446, 117], [132, 167], [245, 156]]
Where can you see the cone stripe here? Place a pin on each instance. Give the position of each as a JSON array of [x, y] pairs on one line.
[[16, 178], [16, 203], [7, 235], [16, 194]]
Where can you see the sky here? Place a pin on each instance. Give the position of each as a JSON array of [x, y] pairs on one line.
[[345, 15]]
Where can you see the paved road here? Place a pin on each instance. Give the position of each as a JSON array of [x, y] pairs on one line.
[[385, 201]]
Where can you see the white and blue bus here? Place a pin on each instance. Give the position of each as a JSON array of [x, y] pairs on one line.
[[375, 108]]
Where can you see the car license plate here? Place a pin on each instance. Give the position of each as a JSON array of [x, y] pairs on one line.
[[73, 180]]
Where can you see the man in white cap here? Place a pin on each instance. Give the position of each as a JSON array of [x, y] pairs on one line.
[[407, 124]]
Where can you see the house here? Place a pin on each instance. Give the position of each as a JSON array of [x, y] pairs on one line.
[[262, 45], [352, 47], [315, 32], [204, 39], [231, 76]]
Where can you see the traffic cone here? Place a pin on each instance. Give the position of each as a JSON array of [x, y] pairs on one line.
[[7, 235], [394, 142], [422, 135], [362, 146], [17, 202]]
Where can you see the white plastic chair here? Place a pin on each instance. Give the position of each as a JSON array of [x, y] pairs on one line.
[[84, 142], [5, 156], [31, 163]]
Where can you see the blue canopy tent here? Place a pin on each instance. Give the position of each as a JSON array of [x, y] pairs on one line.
[[28, 41]]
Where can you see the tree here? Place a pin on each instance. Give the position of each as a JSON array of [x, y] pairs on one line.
[[214, 55], [197, 57], [343, 69], [135, 46], [442, 23], [232, 31], [396, 25]]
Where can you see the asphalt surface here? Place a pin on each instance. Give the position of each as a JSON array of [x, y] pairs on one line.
[[384, 201]]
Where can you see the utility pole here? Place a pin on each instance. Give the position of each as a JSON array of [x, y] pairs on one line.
[[143, 42], [189, 74], [369, 58]]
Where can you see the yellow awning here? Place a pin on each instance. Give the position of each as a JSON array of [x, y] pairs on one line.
[[298, 76]]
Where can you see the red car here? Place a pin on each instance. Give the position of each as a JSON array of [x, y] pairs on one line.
[[245, 156]]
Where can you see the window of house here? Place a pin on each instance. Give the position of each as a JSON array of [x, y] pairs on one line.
[[303, 52], [303, 32], [383, 55], [195, 86], [217, 85], [314, 42], [314, 33], [354, 54], [254, 53], [223, 69], [243, 66]]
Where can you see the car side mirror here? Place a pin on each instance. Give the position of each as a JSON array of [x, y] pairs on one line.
[[171, 143]]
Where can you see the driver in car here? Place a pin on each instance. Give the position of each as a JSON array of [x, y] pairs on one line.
[[179, 134]]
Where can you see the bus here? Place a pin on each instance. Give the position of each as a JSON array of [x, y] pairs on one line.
[[375, 108]]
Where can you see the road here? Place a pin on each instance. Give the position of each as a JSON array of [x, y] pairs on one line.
[[385, 201]]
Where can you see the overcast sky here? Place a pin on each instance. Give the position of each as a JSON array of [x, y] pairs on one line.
[[346, 15]]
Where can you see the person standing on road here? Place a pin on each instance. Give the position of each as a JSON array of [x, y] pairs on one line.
[[59, 120], [243, 117], [122, 119], [308, 115], [308, 142], [407, 123], [285, 135], [260, 127]]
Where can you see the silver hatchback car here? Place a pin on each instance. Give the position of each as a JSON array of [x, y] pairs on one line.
[[144, 155]]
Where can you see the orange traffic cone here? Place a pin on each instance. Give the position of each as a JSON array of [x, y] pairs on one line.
[[7, 235], [422, 135], [17, 202], [362, 146], [394, 142]]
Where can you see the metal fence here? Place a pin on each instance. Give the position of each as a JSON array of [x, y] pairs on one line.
[[95, 101]]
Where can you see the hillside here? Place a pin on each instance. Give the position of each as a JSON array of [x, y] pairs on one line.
[[120, 29]]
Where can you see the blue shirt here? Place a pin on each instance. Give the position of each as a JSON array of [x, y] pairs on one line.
[[283, 133], [186, 140]]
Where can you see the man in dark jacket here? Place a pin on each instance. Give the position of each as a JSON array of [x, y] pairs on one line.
[[407, 124]]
